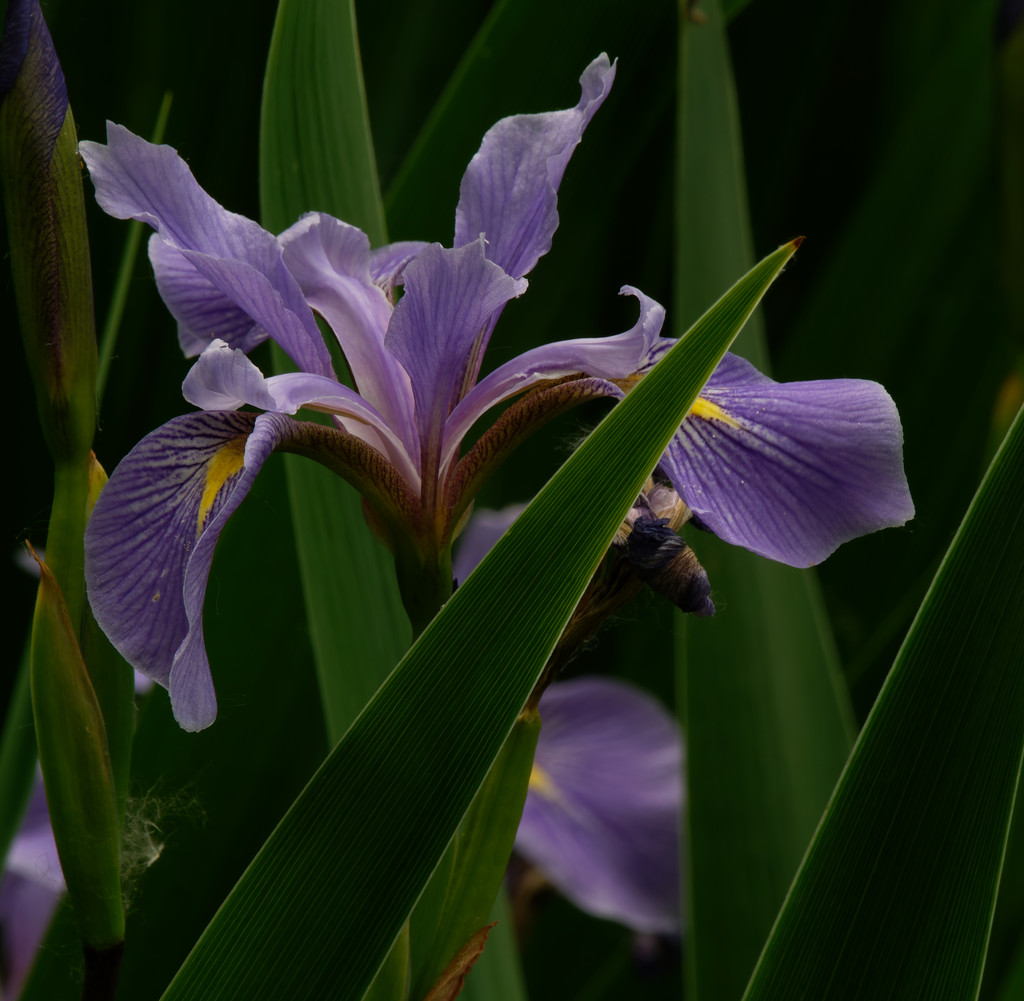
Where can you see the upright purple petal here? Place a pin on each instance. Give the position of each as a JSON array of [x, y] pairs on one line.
[[241, 261], [437, 328], [150, 541], [510, 189], [331, 262], [616, 357], [790, 470], [602, 817]]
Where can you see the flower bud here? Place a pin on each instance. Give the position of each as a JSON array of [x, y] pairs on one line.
[[49, 247]]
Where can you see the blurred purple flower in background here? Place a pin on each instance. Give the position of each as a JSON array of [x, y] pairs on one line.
[[603, 812], [30, 890]]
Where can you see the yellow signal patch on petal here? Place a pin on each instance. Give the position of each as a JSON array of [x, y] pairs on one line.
[[226, 462], [709, 411], [540, 783]]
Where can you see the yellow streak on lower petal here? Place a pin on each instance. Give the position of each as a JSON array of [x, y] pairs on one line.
[[709, 411], [227, 461], [540, 783]]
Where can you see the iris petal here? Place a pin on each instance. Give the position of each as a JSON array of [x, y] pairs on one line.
[[241, 261], [790, 470], [150, 541], [602, 820], [224, 379], [510, 189], [388, 263], [450, 297], [203, 312], [615, 357], [331, 262]]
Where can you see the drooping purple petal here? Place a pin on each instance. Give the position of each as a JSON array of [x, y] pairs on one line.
[[331, 262], [203, 312], [149, 545], [450, 297], [615, 357], [790, 470], [136, 180], [224, 379], [510, 189], [602, 816]]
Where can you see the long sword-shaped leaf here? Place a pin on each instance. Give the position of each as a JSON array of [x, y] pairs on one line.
[[896, 894], [316, 153], [767, 721], [320, 906]]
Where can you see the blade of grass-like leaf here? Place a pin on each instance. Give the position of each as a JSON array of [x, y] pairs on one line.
[[896, 894], [316, 152], [322, 903], [767, 720], [712, 219]]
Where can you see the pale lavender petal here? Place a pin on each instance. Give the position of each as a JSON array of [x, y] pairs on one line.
[[203, 312], [331, 262], [479, 536], [223, 378], [615, 357], [136, 180], [602, 817], [438, 326], [790, 470], [510, 189], [149, 545], [388, 263]]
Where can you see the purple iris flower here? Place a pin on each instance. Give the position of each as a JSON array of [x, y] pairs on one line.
[[603, 810], [790, 472]]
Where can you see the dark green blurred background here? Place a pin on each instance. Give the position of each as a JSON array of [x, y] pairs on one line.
[[890, 137]]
